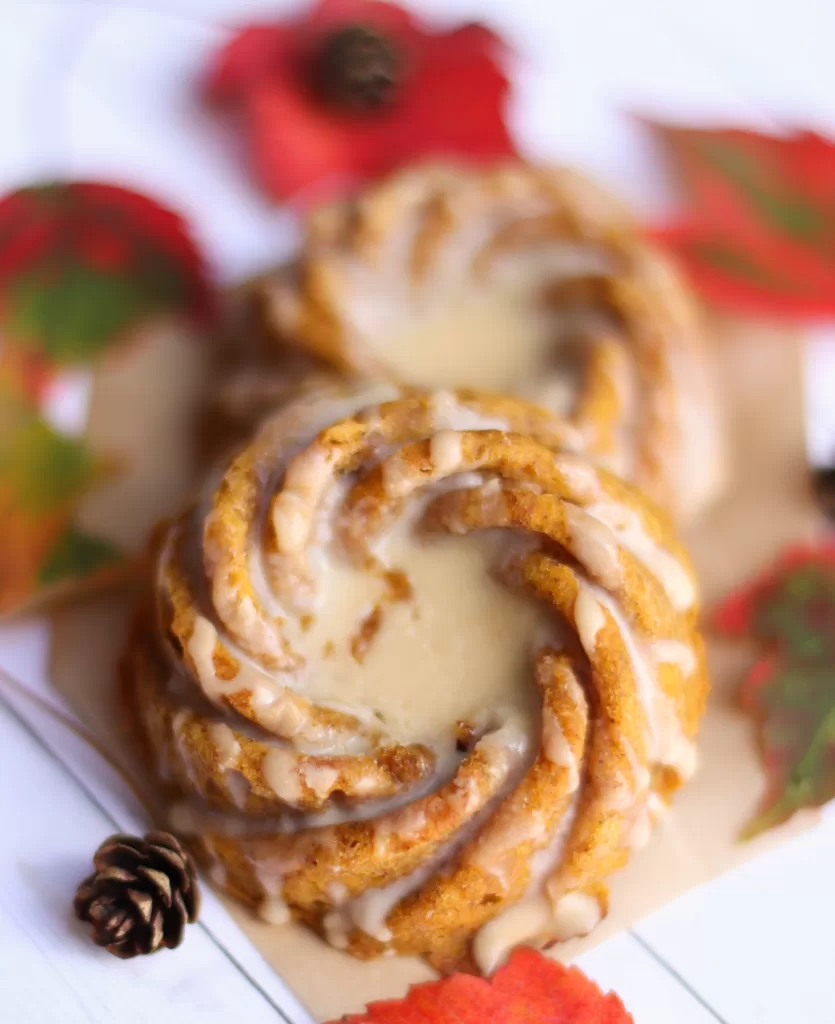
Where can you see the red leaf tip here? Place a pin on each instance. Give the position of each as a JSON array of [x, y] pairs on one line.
[[530, 987]]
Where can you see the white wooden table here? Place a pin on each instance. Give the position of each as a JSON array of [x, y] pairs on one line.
[[105, 88]]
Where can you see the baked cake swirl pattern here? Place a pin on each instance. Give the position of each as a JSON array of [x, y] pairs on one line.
[[521, 280], [419, 674]]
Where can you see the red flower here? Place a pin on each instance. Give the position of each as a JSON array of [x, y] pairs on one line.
[[448, 99]]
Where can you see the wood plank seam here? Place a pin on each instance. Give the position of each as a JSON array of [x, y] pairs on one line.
[[106, 814]]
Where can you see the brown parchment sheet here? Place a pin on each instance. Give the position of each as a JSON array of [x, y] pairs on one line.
[[767, 505], [145, 404]]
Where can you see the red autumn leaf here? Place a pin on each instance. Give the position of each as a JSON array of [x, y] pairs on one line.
[[530, 987], [748, 277], [759, 233], [451, 101], [82, 263], [790, 690], [736, 614], [25, 375], [104, 251]]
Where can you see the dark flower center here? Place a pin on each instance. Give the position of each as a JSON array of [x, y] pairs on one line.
[[824, 484], [357, 69]]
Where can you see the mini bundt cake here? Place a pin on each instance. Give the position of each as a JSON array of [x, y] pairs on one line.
[[418, 674]]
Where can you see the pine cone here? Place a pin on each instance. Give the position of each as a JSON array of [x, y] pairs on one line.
[[141, 896], [358, 69], [823, 481]]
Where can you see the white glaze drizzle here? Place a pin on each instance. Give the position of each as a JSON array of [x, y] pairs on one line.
[[675, 652], [278, 708], [526, 920], [557, 749], [630, 531], [319, 778], [225, 743], [445, 451], [580, 476], [595, 546], [532, 917], [280, 769], [575, 914], [667, 743], [273, 910], [505, 750], [450, 414], [588, 618]]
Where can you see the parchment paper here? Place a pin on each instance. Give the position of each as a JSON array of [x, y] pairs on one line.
[[767, 505]]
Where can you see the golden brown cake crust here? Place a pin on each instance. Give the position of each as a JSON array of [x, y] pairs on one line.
[[367, 838], [645, 401]]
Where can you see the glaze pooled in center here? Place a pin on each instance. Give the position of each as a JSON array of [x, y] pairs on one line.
[[433, 640], [496, 340]]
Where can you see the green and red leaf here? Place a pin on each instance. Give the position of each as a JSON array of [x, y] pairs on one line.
[[44, 476], [790, 691], [737, 614], [81, 264], [41, 471], [759, 230], [76, 556], [530, 987]]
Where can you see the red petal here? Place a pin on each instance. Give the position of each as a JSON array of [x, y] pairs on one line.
[[455, 103], [258, 52], [246, 60], [453, 107], [296, 146]]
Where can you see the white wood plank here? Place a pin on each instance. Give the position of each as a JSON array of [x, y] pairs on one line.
[[773, 54], [133, 114], [650, 993], [47, 960], [28, 68], [23, 648], [757, 942]]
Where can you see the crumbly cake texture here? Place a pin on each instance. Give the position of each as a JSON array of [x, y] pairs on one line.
[[644, 400], [384, 845]]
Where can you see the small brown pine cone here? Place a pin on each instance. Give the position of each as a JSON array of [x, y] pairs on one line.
[[358, 69], [141, 895], [823, 481]]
